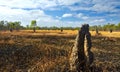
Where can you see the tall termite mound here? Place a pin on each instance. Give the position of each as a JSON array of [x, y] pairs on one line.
[[81, 56]]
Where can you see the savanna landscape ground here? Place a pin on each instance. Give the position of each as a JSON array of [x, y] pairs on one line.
[[49, 51]]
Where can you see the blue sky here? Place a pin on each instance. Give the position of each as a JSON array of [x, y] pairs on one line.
[[60, 13]]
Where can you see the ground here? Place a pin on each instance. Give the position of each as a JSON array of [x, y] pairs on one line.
[[49, 51]]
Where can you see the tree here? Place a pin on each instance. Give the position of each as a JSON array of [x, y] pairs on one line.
[[33, 25], [11, 25], [96, 29], [17, 25], [27, 26], [61, 29], [1, 25], [6, 26], [118, 26]]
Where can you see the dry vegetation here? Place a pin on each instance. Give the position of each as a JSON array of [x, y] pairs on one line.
[[49, 51]]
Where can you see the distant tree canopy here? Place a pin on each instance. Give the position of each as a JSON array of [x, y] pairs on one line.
[[107, 27], [5, 25], [16, 25], [33, 25]]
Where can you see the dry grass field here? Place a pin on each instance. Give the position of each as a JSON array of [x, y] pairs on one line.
[[49, 51]]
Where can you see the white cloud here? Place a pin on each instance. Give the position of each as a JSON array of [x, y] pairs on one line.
[[96, 21], [99, 20], [14, 10], [67, 15], [79, 8], [90, 19], [102, 8], [58, 17], [68, 2], [25, 16], [114, 15], [71, 23], [81, 16], [43, 4], [18, 3], [9, 14], [105, 6], [97, 5], [85, 17], [37, 3]]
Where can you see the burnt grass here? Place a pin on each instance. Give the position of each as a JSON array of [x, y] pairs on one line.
[[47, 53]]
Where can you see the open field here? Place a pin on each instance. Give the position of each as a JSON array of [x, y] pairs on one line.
[[59, 33], [49, 51]]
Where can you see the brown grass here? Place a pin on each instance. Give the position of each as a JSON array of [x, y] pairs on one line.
[[48, 51]]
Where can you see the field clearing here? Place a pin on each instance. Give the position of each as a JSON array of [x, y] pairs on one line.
[[49, 51], [59, 33]]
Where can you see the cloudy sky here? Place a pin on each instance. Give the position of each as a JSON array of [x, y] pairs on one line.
[[61, 12]]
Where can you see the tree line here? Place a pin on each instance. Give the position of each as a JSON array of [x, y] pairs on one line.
[[5, 25], [16, 25], [106, 27]]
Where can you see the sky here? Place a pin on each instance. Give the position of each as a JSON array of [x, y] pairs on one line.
[[61, 13]]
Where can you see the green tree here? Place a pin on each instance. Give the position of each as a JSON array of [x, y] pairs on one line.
[[61, 29], [96, 29], [118, 26], [1, 25], [27, 27], [12, 26], [6, 27], [17, 25], [33, 25]]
